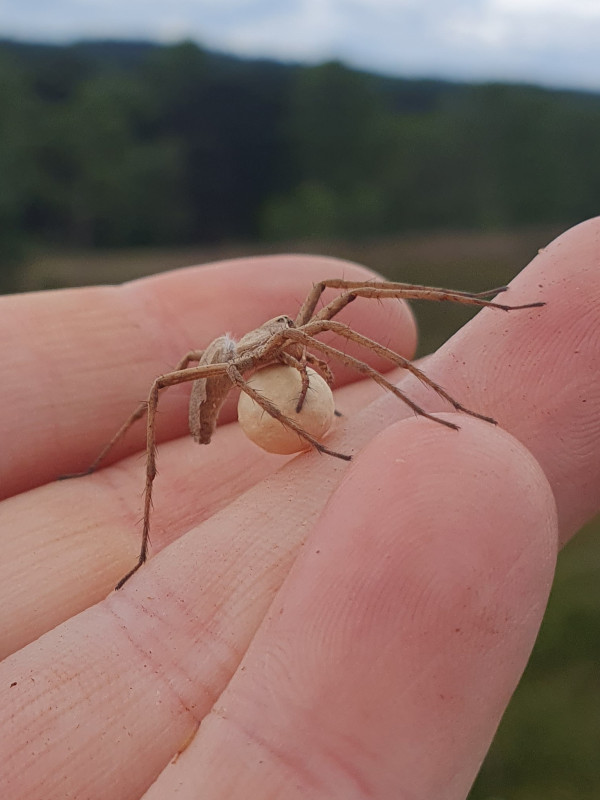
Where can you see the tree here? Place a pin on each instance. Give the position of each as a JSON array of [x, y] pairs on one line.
[[17, 122]]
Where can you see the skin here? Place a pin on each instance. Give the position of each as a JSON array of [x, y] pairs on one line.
[[306, 627]]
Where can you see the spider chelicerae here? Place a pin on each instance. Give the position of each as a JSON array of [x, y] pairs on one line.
[[283, 340]]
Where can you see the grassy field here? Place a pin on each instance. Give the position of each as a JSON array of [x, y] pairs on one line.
[[548, 745]]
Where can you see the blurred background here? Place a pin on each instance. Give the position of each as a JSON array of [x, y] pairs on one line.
[[437, 143]]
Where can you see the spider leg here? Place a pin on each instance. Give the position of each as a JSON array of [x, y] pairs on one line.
[[365, 369], [300, 365], [193, 355], [162, 382], [137, 414], [389, 289], [321, 367], [347, 332], [330, 310], [308, 307], [271, 409], [436, 294]]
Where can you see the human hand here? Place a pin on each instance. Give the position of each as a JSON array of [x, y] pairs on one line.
[[337, 631]]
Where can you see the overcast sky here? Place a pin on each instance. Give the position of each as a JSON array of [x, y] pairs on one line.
[[550, 42]]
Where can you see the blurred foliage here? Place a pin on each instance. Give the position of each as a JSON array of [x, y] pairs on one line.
[[129, 144], [547, 743]]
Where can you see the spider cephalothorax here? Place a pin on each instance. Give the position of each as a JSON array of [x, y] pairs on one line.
[[224, 364]]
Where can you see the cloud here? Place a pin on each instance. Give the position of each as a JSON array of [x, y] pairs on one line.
[[546, 41]]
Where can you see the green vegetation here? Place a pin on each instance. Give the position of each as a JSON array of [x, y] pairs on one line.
[[547, 745], [132, 144]]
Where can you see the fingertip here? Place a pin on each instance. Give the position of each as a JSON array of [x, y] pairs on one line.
[[247, 291], [435, 560], [405, 624], [536, 370], [471, 488], [138, 331]]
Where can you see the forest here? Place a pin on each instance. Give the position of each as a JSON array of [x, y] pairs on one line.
[[106, 144]]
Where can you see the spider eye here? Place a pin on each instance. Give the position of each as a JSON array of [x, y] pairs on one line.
[[285, 320]]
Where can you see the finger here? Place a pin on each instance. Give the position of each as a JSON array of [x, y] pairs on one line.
[[85, 357], [65, 545], [60, 564], [537, 372], [202, 606], [401, 630], [176, 639]]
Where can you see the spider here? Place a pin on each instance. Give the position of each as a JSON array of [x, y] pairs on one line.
[[283, 340]]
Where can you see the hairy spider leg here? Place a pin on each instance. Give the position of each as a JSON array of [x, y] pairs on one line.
[[317, 326], [300, 365], [300, 335], [389, 289], [193, 355], [162, 382]]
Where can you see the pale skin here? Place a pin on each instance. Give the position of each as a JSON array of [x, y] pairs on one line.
[[340, 630]]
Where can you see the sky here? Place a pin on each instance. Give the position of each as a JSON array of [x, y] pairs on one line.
[[546, 42]]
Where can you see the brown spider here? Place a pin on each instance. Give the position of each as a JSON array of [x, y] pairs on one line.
[[282, 340]]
